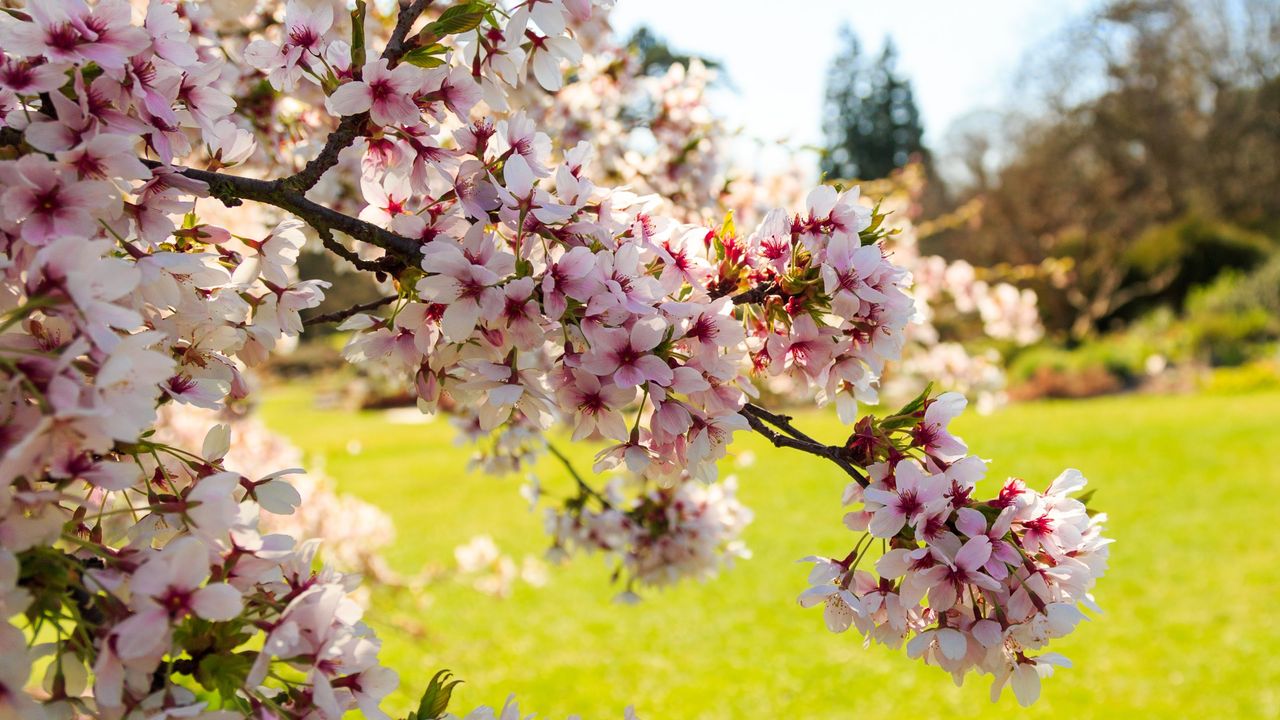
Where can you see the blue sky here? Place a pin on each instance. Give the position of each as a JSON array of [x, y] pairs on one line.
[[961, 56]]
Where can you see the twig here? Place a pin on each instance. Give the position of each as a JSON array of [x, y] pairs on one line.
[[381, 265], [408, 15], [760, 419], [568, 465], [349, 128], [756, 294], [340, 315], [782, 422]]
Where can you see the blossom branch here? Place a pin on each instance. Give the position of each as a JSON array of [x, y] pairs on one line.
[[352, 126], [380, 265]]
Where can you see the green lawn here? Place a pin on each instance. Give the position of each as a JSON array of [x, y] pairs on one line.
[[1191, 628]]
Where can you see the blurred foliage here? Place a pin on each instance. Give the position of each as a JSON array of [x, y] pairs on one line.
[[1260, 376], [1150, 164], [1231, 325], [1194, 251], [1235, 318]]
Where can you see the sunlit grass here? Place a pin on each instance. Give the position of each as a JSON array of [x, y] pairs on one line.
[[1190, 628]]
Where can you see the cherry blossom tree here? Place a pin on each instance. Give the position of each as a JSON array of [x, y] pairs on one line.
[[163, 165]]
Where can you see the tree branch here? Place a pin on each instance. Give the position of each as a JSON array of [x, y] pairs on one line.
[[582, 484], [340, 139], [408, 15], [755, 295], [232, 189], [787, 435], [381, 265], [341, 315]]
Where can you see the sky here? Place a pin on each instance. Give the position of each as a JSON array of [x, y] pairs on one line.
[[960, 56]]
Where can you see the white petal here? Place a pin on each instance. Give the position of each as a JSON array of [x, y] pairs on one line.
[[1026, 684], [218, 601], [518, 176], [216, 442], [952, 643], [459, 321], [352, 98]]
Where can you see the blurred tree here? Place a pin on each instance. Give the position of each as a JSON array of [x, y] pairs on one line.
[[871, 121], [1152, 166]]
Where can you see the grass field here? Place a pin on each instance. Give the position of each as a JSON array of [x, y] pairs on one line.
[[1191, 628]]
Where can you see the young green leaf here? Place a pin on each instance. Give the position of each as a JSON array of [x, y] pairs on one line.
[[435, 700], [461, 18]]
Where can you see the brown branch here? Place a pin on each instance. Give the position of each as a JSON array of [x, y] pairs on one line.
[[233, 189], [388, 264], [341, 315], [755, 295], [582, 484], [340, 139], [787, 435], [408, 15]]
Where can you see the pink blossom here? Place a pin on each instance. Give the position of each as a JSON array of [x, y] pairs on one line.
[[466, 287], [569, 276], [948, 580], [50, 204], [805, 348], [627, 356], [71, 31], [597, 406], [385, 93], [913, 496], [932, 435]]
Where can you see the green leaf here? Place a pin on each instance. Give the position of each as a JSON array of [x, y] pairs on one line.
[[425, 57], [727, 228], [357, 35], [461, 18], [917, 404], [435, 700]]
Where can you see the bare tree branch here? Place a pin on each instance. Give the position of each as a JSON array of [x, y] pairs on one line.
[[568, 466], [380, 265], [787, 435], [341, 315], [409, 14], [232, 189]]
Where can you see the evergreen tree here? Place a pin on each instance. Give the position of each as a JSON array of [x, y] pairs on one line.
[[871, 121]]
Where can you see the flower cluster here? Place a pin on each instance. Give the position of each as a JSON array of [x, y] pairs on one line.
[[1002, 577], [659, 537]]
